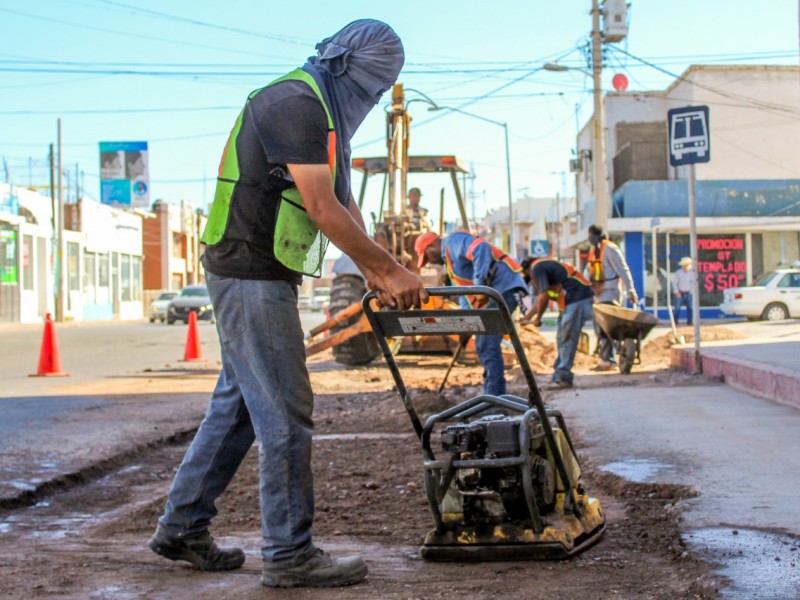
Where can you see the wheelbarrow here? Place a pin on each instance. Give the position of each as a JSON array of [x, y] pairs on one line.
[[625, 328]]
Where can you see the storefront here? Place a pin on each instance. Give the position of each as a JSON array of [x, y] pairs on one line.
[[725, 258]]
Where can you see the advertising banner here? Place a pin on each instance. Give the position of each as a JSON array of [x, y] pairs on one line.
[[124, 174]]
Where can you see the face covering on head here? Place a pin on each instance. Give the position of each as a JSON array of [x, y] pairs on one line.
[[357, 66], [594, 240]]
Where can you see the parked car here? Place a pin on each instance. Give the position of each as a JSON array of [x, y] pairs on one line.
[[775, 296], [158, 307], [321, 298], [193, 298]]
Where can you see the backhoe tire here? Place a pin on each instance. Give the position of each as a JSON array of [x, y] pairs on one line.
[[361, 349]]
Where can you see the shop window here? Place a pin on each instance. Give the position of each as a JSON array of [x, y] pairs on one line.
[[103, 292], [721, 265], [125, 277], [136, 277], [90, 277], [177, 245], [27, 262], [73, 271]]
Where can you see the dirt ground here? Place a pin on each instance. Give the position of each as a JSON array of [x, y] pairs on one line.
[[89, 541]]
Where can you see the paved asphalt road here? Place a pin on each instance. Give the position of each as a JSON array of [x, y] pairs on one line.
[[739, 452], [91, 351]]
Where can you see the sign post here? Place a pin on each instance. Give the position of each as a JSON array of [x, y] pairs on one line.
[[689, 143]]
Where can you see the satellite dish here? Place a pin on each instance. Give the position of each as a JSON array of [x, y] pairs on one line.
[[620, 82]]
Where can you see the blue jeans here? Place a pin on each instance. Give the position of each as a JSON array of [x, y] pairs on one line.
[[570, 323], [263, 393], [490, 354], [685, 300], [605, 344]]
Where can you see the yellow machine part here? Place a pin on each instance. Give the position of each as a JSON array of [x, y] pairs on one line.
[[564, 535]]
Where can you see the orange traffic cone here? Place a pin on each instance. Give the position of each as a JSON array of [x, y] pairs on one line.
[[49, 356], [193, 352]]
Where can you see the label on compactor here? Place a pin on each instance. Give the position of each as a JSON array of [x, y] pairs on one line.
[[426, 325]]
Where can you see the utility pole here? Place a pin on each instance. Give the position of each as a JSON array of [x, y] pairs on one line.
[[599, 146], [59, 279], [558, 226], [53, 221]]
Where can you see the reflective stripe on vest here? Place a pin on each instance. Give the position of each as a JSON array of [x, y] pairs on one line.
[[497, 254], [296, 238], [559, 296], [596, 273]]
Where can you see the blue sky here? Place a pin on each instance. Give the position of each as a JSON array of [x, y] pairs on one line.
[[176, 73]]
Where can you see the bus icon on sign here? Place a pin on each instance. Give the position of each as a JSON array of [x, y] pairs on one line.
[[688, 135]]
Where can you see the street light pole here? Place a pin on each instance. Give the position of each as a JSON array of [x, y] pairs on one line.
[[511, 237]]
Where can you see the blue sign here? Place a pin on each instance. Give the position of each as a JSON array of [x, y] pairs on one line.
[[540, 248], [689, 135], [124, 174]]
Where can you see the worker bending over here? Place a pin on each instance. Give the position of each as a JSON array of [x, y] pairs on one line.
[[471, 260], [561, 283]]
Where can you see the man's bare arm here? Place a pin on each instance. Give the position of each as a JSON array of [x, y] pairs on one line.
[[355, 212]]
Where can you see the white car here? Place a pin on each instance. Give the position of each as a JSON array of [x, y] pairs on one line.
[[158, 307], [775, 296]]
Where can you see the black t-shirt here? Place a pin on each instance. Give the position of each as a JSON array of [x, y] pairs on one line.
[[548, 273], [283, 123]]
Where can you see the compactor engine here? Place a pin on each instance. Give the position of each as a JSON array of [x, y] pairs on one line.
[[495, 495]]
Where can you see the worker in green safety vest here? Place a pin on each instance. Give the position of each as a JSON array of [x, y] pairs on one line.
[[283, 191]]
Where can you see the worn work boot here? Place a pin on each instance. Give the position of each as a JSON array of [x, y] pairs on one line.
[[321, 570], [199, 550], [558, 384]]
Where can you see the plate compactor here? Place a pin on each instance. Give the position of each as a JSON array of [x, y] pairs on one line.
[[503, 480]]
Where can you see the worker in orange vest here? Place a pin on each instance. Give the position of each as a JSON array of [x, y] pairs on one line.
[[609, 272], [572, 293], [471, 260]]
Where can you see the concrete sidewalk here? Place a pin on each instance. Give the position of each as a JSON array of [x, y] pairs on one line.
[[50, 442], [768, 367]]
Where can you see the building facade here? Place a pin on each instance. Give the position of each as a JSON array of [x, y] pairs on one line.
[[172, 247], [97, 275], [747, 196]]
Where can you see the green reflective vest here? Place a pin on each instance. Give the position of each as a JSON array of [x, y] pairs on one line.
[[297, 242]]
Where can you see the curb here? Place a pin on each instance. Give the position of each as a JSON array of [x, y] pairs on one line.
[[90, 472], [760, 379]]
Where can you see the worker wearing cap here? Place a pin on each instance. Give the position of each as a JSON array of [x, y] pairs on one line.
[[682, 284], [471, 260], [415, 211]]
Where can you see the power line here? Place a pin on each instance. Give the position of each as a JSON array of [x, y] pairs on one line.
[[199, 23], [746, 100], [184, 109], [118, 32]]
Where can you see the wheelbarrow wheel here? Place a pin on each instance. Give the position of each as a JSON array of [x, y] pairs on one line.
[[627, 355]]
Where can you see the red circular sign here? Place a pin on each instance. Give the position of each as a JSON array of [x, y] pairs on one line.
[[620, 82]]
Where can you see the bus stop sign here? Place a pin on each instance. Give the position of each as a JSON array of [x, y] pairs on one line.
[[689, 135]]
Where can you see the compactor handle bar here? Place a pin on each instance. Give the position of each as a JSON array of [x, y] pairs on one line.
[[492, 320]]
